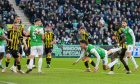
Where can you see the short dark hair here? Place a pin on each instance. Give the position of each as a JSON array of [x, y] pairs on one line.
[[124, 20], [84, 41], [37, 19]]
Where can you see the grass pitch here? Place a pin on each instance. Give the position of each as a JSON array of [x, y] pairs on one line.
[[63, 72]]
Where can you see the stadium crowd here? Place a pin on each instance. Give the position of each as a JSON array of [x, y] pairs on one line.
[[7, 12], [98, 16]]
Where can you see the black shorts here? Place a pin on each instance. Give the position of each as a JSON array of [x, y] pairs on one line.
[[20, 49], [48, 50], [14, 53], [122, 53], [27, 52]]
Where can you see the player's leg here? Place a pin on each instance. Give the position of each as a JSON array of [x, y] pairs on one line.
[[129, 55], [1, 57], [86, 60], [122, 56], [2, 50], [20, 56], [48, 56], [105, 61], [40, 53], [31, 57], [113, 57], [7, 62], [113, 50], [92, 62]]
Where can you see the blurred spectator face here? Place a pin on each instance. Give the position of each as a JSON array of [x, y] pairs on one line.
[[124, 24]]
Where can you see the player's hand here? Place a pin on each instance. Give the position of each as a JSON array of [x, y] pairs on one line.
[[74, 63], [96, 69]]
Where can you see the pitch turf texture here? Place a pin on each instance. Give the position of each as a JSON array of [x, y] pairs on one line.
[[63, 72]]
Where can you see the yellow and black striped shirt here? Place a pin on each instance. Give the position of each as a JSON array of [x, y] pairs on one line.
[[85, 36], [14, 35], [28, 42], [119, 37], [49, 37], [20, 29]]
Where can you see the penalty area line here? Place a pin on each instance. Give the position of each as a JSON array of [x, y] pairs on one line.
[[5, 82]]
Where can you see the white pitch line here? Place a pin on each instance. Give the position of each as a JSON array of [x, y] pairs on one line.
[[7, 82]]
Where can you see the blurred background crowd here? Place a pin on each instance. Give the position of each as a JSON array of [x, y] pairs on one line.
[[97, 16]]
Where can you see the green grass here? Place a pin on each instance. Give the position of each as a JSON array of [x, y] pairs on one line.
[[63, 72]]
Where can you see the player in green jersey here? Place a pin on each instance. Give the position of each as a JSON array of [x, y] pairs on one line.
[[2, 38], [130, 41], [36, 33], [100, 53]]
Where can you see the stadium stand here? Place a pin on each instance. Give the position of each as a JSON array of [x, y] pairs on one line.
[[98, 16], [7, 12]]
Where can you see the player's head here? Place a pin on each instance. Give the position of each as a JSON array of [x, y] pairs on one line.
[[38, 22], [83, 44], [49, 27], [124, 23], [17, 19], [117, 26], [82, 30]]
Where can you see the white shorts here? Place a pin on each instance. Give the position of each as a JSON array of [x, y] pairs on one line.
[[36, 50], [105, 59], [2, 48], [130, 48]]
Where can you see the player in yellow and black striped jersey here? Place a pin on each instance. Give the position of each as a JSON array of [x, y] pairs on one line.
[[49, 40], [20, 29], [120, 38], [12, 48], [84, 35]]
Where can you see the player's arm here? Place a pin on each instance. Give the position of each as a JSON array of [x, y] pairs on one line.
[[133, 36], [93, 51], [81, 56], [124, 38], [24, 42], [27, 33], [3, 36], [54, 40]]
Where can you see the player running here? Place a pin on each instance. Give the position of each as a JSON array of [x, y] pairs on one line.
[[49, 40], [100, 53], [36, 33], [121, 38], [84, 35], [130, 41], [12, 48]]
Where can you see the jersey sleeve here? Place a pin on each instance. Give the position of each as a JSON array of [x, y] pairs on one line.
[[93, 51], [81, 56], [133, 36]]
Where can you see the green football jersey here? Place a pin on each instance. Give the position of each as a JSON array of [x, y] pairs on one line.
[[100, 51], [35, 38], [129, 35], [1, 33]]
